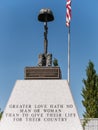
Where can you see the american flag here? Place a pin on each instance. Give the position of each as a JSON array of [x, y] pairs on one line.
[[68, 12]]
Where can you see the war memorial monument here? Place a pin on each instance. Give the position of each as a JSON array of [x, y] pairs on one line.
[[42, 101]]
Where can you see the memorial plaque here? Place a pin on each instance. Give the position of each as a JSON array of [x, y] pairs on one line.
[[42, 73], [41, 105]]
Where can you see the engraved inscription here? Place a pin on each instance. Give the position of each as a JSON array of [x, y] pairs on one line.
[[40, 112]]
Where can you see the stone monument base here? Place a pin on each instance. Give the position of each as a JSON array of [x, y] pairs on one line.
[[40, 105]]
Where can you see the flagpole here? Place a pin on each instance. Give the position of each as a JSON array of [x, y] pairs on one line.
[[69, 55], [68, 19]]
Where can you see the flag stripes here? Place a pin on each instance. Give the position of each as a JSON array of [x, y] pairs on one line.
[[68, 12]]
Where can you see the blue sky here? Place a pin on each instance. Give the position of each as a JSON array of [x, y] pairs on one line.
[[21, 40]]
